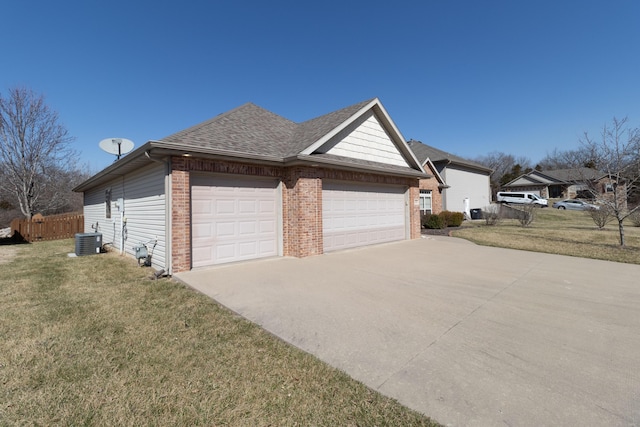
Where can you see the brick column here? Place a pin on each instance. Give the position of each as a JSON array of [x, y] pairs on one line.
[[414, 211], [180, 215], [302, 213]]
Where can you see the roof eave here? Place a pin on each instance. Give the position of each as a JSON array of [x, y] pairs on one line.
[[346, 165], [167, 149], [113, 168], [176, 149]]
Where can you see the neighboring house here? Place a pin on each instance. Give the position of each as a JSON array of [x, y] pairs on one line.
[[431, 189], [461, 184], [250, 184], [563, 183]]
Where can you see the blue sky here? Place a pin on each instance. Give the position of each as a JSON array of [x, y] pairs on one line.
[[467, 76]]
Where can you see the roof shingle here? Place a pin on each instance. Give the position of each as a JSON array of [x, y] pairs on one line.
[[424, 152], [250, 129]]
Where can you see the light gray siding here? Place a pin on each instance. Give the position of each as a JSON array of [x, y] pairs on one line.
[[144, 203], [465, 184]]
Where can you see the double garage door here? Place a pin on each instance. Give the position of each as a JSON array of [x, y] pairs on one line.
[[360, 214], [237, 219]]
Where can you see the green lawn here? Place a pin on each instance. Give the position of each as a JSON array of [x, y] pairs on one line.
[[93, 341], [559, 232]]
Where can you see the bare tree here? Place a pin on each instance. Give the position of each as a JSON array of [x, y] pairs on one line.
[[569, 159], [503, 165], [34, 150], [616, 154]]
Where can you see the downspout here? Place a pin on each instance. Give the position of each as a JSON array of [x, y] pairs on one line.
[[167, 207]]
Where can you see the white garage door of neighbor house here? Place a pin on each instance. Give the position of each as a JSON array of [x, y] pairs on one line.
[[358, 215], [233, 219]]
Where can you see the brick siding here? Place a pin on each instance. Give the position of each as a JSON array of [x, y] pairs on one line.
[[436, 193], [180, 216], [301, 202]]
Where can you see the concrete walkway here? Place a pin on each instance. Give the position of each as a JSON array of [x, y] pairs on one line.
[[468, 335]]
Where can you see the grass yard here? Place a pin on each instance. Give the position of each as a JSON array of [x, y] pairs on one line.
[[93, 341], [558, 232]]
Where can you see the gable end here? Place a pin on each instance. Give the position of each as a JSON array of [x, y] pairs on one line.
[[365, 139]]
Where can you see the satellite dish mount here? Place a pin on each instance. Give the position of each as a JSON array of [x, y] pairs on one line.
[[117, 146]]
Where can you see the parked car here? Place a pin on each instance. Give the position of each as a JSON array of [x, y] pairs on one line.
[[575, 205], [521, 198]]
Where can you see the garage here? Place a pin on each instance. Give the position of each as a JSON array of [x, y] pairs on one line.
[[233, 219], [361, 214]]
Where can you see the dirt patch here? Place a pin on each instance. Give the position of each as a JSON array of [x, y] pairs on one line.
[[7, 253]]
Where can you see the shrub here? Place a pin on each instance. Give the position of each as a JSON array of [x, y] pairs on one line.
[[601, 217], [526, 214], [433, 221], [491, 214], [451, 219]]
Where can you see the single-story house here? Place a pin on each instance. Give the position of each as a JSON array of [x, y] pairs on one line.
[[251, 184], [563, 183], [457, 184]]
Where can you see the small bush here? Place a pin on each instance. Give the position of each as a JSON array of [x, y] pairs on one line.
[[451, 219], [601, 217], [491, 214], [433, 222], [526, 214]]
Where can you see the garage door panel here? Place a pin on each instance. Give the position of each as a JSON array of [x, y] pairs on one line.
[[224, 207], [233, 220], [265, 245], [202, 230], [224, 229], [247, 229], [357, 215], [267, 207], [199, 207], [247, 207], [247, 250], [224, 253], [267, 227]]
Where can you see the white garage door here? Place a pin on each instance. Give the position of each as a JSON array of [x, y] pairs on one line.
[[233, 219], [358, 215]]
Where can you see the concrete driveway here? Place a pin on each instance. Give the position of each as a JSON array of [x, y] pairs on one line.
[[468, 335]]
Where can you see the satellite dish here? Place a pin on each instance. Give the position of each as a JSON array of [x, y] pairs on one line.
[[117, 146]]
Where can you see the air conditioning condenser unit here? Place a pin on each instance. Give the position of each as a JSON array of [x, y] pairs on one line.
[[88, 243]]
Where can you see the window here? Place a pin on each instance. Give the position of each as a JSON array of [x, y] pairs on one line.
[[107, 199], [608, 188], [425, 201]]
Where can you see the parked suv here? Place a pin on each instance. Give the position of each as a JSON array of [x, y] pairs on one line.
[[521, 198]]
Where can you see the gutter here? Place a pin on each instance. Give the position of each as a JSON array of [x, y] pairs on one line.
[[311, 160]]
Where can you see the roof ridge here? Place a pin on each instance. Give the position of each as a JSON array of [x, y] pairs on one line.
[[359, 105], [434, 154], [219, 117], [310, 131]]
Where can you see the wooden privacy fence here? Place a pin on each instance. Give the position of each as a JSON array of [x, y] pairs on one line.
[[53, 227]]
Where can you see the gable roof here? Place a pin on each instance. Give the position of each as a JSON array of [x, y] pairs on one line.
[[426, 152], [556, 177], [251, 133], [428, 165], [314, 130], [575, 174]]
